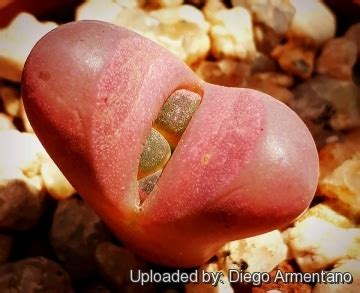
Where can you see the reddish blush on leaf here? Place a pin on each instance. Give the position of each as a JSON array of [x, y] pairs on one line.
[[246, 164]]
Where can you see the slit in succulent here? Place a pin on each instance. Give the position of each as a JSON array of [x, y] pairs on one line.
[[167, 130]]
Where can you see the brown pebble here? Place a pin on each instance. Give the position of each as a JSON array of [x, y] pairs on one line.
[[272, 83], [353, 34], [279, 79], [76, 231], [325, 103], [266, 39], [21, 205], [337, 59], [35, 274], [296, 57], [225, 72], [115, 263], [262, 63]]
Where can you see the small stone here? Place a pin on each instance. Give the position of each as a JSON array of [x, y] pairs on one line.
[[6, 122], [344, 98], [11, 100], [280, 93], [155, 154], [338, 56], [353, 34], [115, 263], [266, 39], [55, 182], [296, 58], [343, 183], [263, 63], [36, 274], [5, 247], [275, 14], [339, 172], [75, 233], [225, 72], [279, 79], [20, 150], [21, 205], [16, 42], [260, 253], [176, 114], [231, 31], [328, 212], [324, 103], [306, 21], [337, 152], [312, 243], [351, 266], [273, 84], [182, 29], [312, 108], [104, 10]]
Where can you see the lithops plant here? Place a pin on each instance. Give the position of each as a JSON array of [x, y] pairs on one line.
[[245, 164]]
